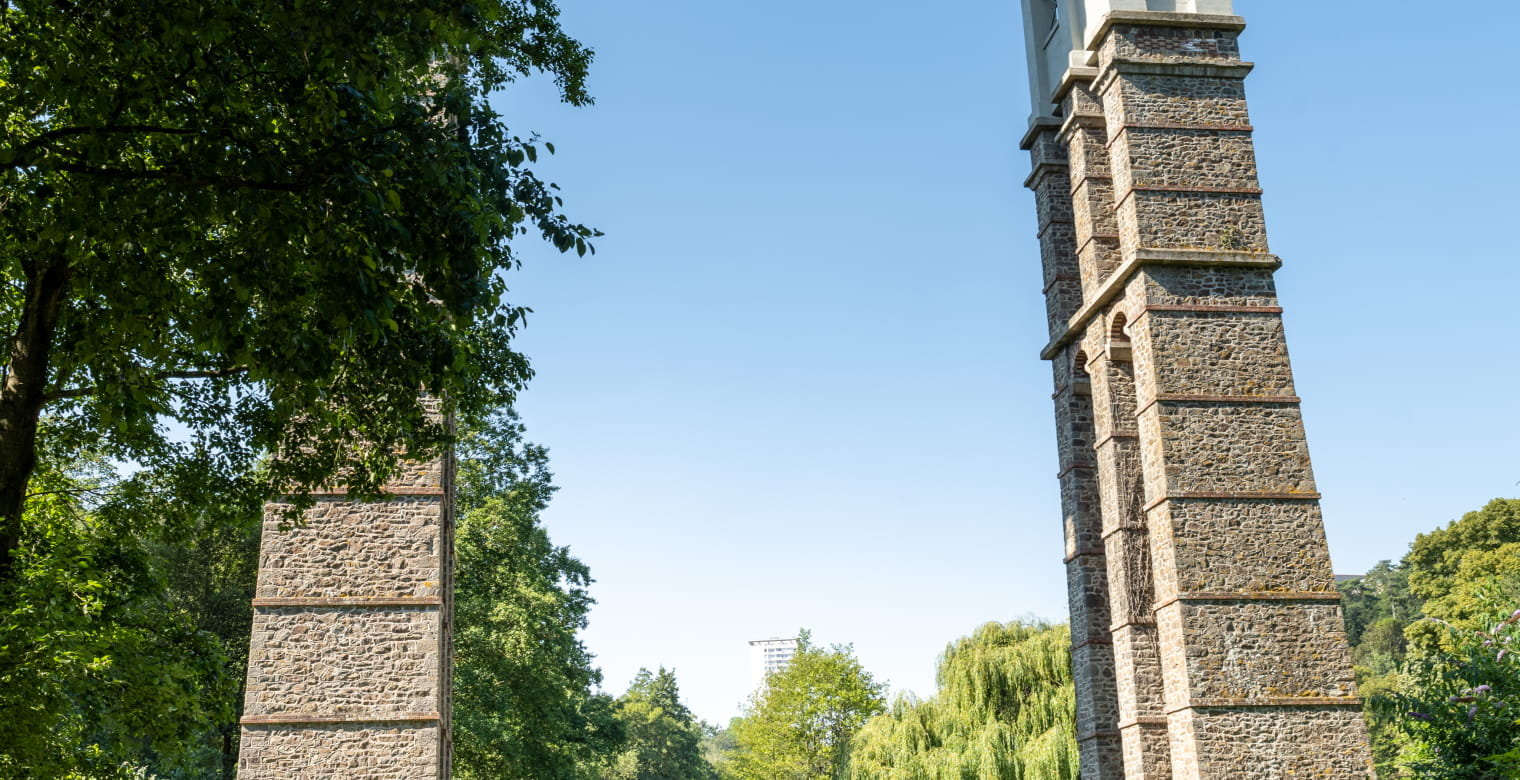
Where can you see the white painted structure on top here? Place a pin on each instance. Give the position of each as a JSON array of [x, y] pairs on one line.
[[1058, 36]]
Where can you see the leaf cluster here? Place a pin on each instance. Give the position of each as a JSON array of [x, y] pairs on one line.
[[523, 686], [663, 740], [800, 724], [272, 222], [1005, 709], [113, 655], [1459, 709]]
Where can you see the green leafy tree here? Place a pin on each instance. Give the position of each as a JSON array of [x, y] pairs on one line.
[[800, 724], [1455, 569], [664, 740], [1005, 709], [104, 669], [1378, 606], [524, 705], [271, 223], [1460, 708], [208, 569], [1381, 594], [718, 744]]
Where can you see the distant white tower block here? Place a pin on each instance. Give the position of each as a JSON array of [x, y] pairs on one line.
[[768, 656]]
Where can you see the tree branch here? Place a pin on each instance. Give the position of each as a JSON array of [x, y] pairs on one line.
[[79, 392], [64, 132], [218, 182]]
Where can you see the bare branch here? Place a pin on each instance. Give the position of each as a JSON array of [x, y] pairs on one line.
[[79, 392]]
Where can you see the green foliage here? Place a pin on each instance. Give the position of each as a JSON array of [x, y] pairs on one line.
[[269, 222], [523, 701], [1454, 569], [1456, 575], [104, 663], [800, 725], [1380, 594], [1005, 710], [1459, 710], [663, 739]]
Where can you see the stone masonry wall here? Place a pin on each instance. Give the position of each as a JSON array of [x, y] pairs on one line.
[[349, 661], [1226, 647], [356, 751], [1086, 572]]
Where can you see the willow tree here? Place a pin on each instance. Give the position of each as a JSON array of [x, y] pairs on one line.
[[1005, 710]]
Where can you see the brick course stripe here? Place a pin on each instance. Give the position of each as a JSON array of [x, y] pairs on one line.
[[1099, 734], [1210, 308], [300, 719], [1145, 721], [1232, 496], [1113, 286], [1095, 237], [1119, 529], [1091, 641], [1058, 278], [1185, 126], [1197, 127], [400, 491], [348, 601], [1047, 224], [1043, 169], [1247, 595], [1254, 192], [1188, 398], [1082, 182], [1112, 436], [1271, 701]]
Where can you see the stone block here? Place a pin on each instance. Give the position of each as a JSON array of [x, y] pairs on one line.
[[1233, 545]]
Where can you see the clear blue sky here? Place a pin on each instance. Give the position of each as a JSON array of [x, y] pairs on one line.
[[798, 385]]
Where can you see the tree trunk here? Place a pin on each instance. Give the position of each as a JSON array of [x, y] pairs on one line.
[[23, 394]]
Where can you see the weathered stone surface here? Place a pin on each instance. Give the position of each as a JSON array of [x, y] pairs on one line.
[[1270, 743], [1225, 446], [1175, 285], [349, 549], [352, 751], [1239, 649], [1192, 220], [1244, 546], [1183, 450], [1231, 354], [349, 659], [331, 661]]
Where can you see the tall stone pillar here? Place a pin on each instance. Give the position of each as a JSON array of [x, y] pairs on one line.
[[1086, 570], [1228, 643], [349, 666], [1137, 665]]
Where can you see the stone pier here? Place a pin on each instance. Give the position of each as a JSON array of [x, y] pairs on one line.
[[1206, 628], [349, 667]]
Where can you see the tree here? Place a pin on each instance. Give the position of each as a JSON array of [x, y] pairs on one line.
[[208, 568], [1005, 709], [272, 223], [1379, 595], [1459, 709], [664, 740], [1456, 568], [800, 724], [524, 705], [104, 665]]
